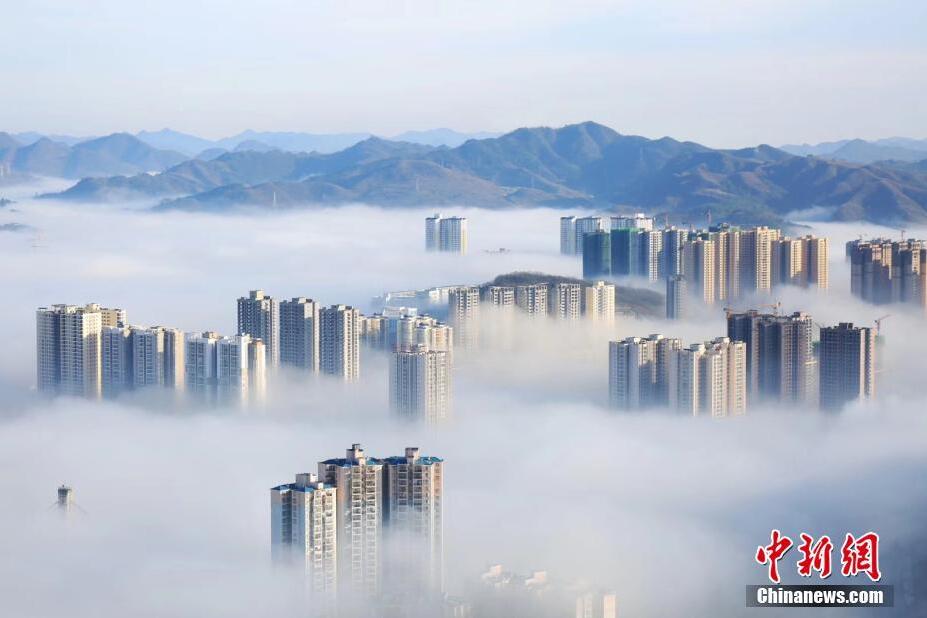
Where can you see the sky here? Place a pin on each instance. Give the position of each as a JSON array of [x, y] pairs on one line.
[[174, 518], [720, 72]]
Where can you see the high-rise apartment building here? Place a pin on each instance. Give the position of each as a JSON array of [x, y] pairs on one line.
[[339, 342], [420, 384], [532, 299], [642, 372], [363, 525], [756, 262], [240, 369], [108, 317], [847, 365], [597, 254], [638, 220], [116, 360], [725, 242], [676, 293], [226, 370], [259, 317], [883, 271], [637, 252], [599, 302], [625, 251], [304, 529], [454, 235], [597, 605], [800, 261], [780, 361], [450, 234], [414, 500], [587, 225], [565, 301], [200, 364], [711, 378], [422, 331], [725, 263], [300, 334], [373, 331], [816, 260], [157, 357], [432, 232], [359, 512], [69, 353], [500, 297], [698, 266], [651, 254], [568, 235], [463, 315], [673, 242]]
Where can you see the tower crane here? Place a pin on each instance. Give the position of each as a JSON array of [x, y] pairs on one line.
[[878, 323]]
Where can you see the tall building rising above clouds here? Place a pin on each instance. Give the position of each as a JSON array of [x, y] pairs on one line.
[[463, 315], [359, 512], [300, 334], [419, 384], [69, 352], [340, 342], [847, 365], [304, 526], [565, 301], [599, 302], [365, 525], [448, 234], [259, 317]]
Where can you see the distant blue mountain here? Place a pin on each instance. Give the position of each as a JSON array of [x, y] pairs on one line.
[[119, 153], [168, 139], [440, 137], [863, 151], [584, 165]]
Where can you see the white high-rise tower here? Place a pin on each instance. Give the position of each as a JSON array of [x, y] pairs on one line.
[[304, 526], [419, 384], [340, 342], [299, 334], [259, 316]]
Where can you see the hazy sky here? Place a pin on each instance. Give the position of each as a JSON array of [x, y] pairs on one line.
[[721, 72]]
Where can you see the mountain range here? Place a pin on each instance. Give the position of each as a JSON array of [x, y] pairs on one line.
[[585, 165], [119, 153], [862, 151], [199, 147]]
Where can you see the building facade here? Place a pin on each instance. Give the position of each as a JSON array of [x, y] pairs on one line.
[[847, 372], [259, 317], [464, 316], [304, 527], [339, 342], [642, 372], [300, 334], [599, 302], [448, 234], [420, 384], [565, 301], [69, 348]]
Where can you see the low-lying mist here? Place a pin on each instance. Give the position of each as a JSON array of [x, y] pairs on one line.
[[174, 519]]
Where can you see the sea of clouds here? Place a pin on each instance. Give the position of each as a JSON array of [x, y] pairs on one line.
[[174, 519]]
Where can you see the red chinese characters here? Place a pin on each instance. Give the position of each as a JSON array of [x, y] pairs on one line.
[[815, 556], [772, 553], [857, 555], [861, 555]]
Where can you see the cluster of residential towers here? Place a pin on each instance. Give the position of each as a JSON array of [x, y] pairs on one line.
[[720, 264], [765, 358]]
